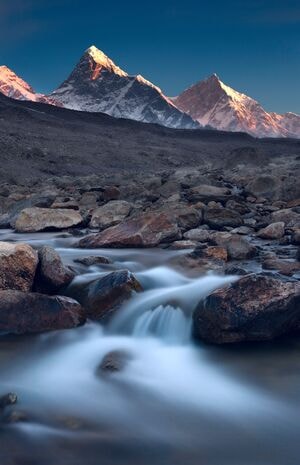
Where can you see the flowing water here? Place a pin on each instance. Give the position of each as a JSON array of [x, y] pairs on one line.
[[174, 402]]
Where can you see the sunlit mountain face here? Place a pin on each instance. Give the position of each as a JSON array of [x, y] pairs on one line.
[[15, 87], [97, 84], [213, 103]]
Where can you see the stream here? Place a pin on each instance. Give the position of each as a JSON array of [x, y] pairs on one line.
[[175, 401]]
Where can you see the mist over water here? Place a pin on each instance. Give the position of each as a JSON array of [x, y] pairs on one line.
[[174, 402]]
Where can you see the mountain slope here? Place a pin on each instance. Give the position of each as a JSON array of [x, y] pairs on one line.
[[215, 104], [15, 87], [98, 85]]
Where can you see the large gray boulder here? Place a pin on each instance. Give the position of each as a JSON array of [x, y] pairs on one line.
[[110, 214]]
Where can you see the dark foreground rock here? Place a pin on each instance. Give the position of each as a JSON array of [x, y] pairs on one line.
[[102, 297], [52, 274], [18, 264], [254, 308], [113, 362], [22, 312], [144, 230]]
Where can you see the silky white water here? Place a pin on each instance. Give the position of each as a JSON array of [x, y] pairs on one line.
[[174, 402]]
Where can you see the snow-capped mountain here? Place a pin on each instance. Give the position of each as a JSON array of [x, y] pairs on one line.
[[15, 87], [214, 104], [97, 84]]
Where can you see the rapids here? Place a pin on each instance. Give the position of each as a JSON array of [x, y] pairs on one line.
[[175, 402]]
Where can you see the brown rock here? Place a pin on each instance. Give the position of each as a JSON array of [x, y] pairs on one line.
[[18, 263], [52, 274], [218, 218], [237, 246], [22, 312], [145, 230], [110, 214], [273, 231], [40, 219], [254, 308]]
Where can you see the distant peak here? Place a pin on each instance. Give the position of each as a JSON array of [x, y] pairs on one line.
[[213, 77], [102, 61]]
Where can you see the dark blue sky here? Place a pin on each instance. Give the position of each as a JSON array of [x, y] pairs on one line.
[[254, 46]]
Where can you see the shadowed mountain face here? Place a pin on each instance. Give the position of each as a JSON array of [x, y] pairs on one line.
[[39, 141], [97, 85], [213, 103]]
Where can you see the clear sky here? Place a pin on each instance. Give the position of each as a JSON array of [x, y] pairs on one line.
[[254, 45]]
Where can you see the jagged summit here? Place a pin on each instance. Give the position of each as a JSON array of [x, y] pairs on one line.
[[97, 84]]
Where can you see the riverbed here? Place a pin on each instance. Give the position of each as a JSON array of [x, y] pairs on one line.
[[175, 401]]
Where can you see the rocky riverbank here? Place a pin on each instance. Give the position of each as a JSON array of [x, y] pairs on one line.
[[227, 223]]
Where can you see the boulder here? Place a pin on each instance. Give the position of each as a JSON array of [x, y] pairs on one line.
[[22, 312], [93, 260], [113, 362], [265, 186], [214, 252], [103, 296], [110, 214], [254, 308], [41, 219], [18, 263], [197, 234], [51, 274], [145, 230], [218, 218], [237, 246], [272, 231], [186, 217], [287, 216], [285, 267]]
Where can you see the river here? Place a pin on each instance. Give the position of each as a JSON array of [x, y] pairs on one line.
[[175, 401]]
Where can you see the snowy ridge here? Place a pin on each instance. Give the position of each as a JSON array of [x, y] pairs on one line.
[[214, 104], [97, 84]]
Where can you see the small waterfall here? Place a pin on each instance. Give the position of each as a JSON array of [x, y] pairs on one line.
[[166, 322]]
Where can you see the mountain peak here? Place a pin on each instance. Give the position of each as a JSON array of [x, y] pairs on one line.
[[100, 60]]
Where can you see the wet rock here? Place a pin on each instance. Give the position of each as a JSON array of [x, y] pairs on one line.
[[272, 231], [93, 260], [22, 312], [296, 237], [51, 274], [144, 230], [41, 219], [103, 296], [285, 267], [18, 263], [110, 214], [218, 218], [214, 252], [237, 246], [113, 362], [8, 399], [254, 308]]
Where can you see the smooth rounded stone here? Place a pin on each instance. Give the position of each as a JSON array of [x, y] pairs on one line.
[[18, 263], [218, 218], [51, 274], [254, 308], [110, 214], [237, 246], [287, 216], [103, 296], [93, 260], [197, 234], [43, 200], [144, 230], [206, 193], [41, 219], [182, 245], [113, 362], [272, 231], [22, 312]]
